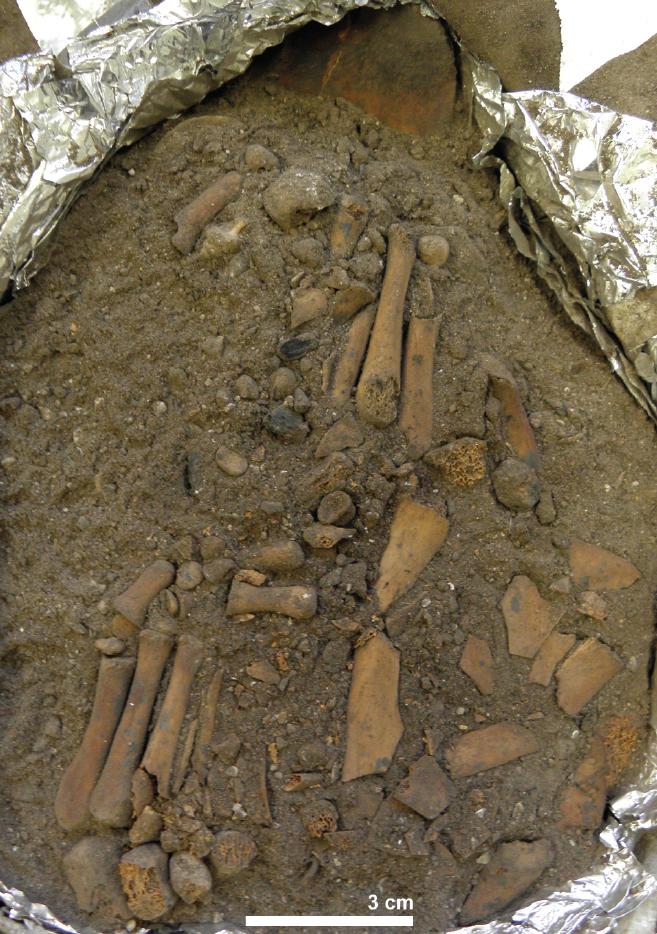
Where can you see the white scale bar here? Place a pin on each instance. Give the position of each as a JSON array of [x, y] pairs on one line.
[[329, 921]]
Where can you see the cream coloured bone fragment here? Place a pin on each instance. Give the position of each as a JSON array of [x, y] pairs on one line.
[[416, 534], [77, 783], [378, 389], [206, 726], [161, 749], [111, 799], [416, 413], [374, 726], [345, 372], [134, 602], [297, 602], [349, 223]]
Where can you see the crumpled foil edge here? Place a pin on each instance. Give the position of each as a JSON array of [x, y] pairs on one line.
[[580, 213]]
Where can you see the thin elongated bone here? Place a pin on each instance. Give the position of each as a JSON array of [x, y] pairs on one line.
[[111, 799], [416, 534], [297, 602], [348, 366], [192, 219], [180, 771], [134, 602], [207, 720], [416, 413], [72, 801], [519, 432], [161, 748], [378, 388], [348, 225]]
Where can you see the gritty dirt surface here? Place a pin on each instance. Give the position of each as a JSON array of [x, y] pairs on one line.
[[128, 366]]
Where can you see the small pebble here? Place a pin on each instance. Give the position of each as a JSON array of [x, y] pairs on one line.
[[294, 348], [159, 407], [259, 159], [307, 305], [110, 646], [433, 250], [301, 402], [246, 387], [288, 426], [230, 462], [190, 877], [283, 382], [189, 576], [336, 509], [516, 485]]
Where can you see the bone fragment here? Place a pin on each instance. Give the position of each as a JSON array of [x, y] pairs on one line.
[[207, 720], [348, 225], [374, 726], [72, 801], [161, 749], [134, 602], [110, 801], [416, 534], [347, 368], [378, 389], [519, 432], [192, 219], [416, 413], [297, 602]]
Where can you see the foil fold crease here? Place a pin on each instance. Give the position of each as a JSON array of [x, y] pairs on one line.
[[578, 181]]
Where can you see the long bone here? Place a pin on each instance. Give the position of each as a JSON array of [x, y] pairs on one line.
[[77, 783], [111, 799], [161, 748], [344, 376], [416, 412]]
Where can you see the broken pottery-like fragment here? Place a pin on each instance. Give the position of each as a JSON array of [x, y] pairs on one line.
[[426, 789], [528, 617], [556, 646], [512, 870], [485, 749], [595, 568], [477, 663], [584, 673]]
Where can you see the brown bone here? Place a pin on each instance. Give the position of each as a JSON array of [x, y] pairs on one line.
[[207, 720], [161, 748], [134, 602], [348, 366], [379, 385], [416, 534], [416, 414], [348, 225], [297, 602], [519, 432], [192, 219], [110, 802], [72, 801]]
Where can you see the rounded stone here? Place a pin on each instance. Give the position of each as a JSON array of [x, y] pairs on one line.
[[433, 250]]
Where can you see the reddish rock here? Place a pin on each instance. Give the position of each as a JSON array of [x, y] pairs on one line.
[[583, 803], [556, 646], [487, 748], [477, 663], [584, 673], [512, 870], [528, 617], [591, 604], [426, 789], [595, 568]]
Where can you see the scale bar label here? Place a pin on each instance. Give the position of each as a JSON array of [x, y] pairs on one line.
[[329, 921]]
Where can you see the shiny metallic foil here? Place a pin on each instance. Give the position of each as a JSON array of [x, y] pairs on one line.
[[579, 183]]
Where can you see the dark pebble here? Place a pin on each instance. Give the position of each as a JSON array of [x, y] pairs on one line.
[[294, 348]]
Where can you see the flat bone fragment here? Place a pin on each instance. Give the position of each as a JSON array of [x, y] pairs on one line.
[[426, 789], [349, 223], [161, 749], [485, 749], [595, 568], [192, 219], [512, 870], [416, 534], [182, 765], [111, 799], [519, 432], [556, 646], [77, 783], [344, 375], [378, 389], [477, 663], [297, 602], [206, 725], [416, 412], [134, 602], [528, 617], [374, 726], [584, 673]]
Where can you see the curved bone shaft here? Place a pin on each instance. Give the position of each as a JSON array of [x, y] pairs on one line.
[[161, 748], [348, 225], [519, 432], [378, 388], [416, 413], [72, 801], [134, 602], [192, 219], [348, 366], [297, 602], [111, 801]]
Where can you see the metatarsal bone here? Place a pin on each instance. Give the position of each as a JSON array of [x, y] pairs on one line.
[[297, 602]]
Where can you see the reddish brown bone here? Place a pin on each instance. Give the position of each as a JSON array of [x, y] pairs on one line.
[[519, 432], [134, 602], [161, 748], [378, 389], [72, 801], [192, 219], [348, 366], [207, 720], [110, 802], [348, 225], [297, 602], [416, 414]]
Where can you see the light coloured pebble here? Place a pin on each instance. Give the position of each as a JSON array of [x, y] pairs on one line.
[[213, 347], [146, 828], [301, 401], [159, 407], [246, 387], [433, 250], [189, 576], [190, 877], [110, 646], [230, 462], [283, 382], [258, 158], [307, 305]]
